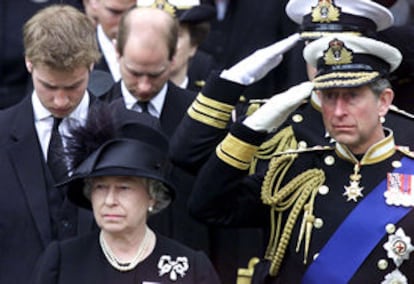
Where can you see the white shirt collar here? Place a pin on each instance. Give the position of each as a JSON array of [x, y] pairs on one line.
[[109, 52], [155, 105], [43, 120]]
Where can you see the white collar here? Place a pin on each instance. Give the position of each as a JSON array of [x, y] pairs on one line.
[[156, 103], [109, 52]]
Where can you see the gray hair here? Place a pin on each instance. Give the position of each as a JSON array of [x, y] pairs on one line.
[[156, 190], [378, 86]]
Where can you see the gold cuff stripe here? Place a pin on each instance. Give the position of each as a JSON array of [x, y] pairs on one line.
[[236, 152], [344, 79], [214, 104], [207, 119], [207, 111]]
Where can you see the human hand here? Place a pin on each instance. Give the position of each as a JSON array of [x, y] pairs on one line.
[[254, 67], [276, 110]]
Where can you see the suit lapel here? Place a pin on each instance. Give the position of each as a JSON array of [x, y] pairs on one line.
[[27, 159]]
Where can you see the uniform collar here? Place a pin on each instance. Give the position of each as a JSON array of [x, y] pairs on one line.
[[375, 154]]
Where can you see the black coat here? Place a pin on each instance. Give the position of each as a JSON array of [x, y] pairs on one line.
[[25, 229], [82, 261]]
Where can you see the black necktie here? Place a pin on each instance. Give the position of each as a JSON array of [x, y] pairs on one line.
[[55, 157], [144, 106]]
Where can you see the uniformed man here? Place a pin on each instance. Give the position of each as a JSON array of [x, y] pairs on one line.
[[340, 213]]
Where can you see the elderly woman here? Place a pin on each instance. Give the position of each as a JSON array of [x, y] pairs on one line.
[[121, 175]]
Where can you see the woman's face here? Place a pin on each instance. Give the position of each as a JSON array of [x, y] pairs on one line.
[[120, 204], [185, 50]]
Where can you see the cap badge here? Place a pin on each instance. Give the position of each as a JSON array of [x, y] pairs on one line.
[[337, 53], [164, 5], [325, 12]]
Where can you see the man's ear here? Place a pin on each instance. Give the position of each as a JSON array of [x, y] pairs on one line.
[[29, 65], [385, 100]]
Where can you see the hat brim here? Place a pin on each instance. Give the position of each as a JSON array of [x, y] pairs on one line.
[[199, 13], [75, 185]]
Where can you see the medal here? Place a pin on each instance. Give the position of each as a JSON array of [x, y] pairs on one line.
[[354, 190], [399, 190]]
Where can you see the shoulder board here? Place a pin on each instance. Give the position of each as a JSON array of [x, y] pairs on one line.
[[406, 151], [395, 109], [305, 150]]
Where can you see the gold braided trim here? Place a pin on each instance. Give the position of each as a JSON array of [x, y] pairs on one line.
[[315, 34], [282, 141], [210, 112], [297, 195], [346, 79], [236, 152]]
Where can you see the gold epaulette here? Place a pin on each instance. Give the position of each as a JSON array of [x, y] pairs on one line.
[[406, 151], [395, 109], [211, 112]]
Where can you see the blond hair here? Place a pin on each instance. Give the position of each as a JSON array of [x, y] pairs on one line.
[[60, 37]]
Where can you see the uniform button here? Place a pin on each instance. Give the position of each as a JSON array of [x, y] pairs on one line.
[[297, 118], [302, 145], [323, 190], [329, 160], [318, 223], [396, 164], [315, 256], [65, 224], [382, 264], [390, 228]]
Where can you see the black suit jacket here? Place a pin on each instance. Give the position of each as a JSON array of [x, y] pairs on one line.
[[25, 227]]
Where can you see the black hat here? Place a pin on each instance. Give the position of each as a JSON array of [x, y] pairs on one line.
[[350, 61], [188, 11], [321, 17], [135, 149]]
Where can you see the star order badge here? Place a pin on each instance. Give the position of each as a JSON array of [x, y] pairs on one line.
[[395, 277], [398, 247], [354, 190]]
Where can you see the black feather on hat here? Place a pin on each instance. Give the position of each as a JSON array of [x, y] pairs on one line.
[[117, 143]]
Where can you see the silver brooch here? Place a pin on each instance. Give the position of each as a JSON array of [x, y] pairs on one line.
[[174, 267]]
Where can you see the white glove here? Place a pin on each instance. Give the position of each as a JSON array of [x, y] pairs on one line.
[[276, 110], [254, 67]]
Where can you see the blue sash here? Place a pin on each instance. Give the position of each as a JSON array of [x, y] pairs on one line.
[[357, 236]]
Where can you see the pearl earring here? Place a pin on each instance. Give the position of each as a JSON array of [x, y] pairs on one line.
[[150, 209], [382, 119]]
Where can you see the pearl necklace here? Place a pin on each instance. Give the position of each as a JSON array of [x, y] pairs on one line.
[[120, 265]]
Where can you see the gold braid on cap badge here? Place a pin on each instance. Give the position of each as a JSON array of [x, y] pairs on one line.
[[346, 79]]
